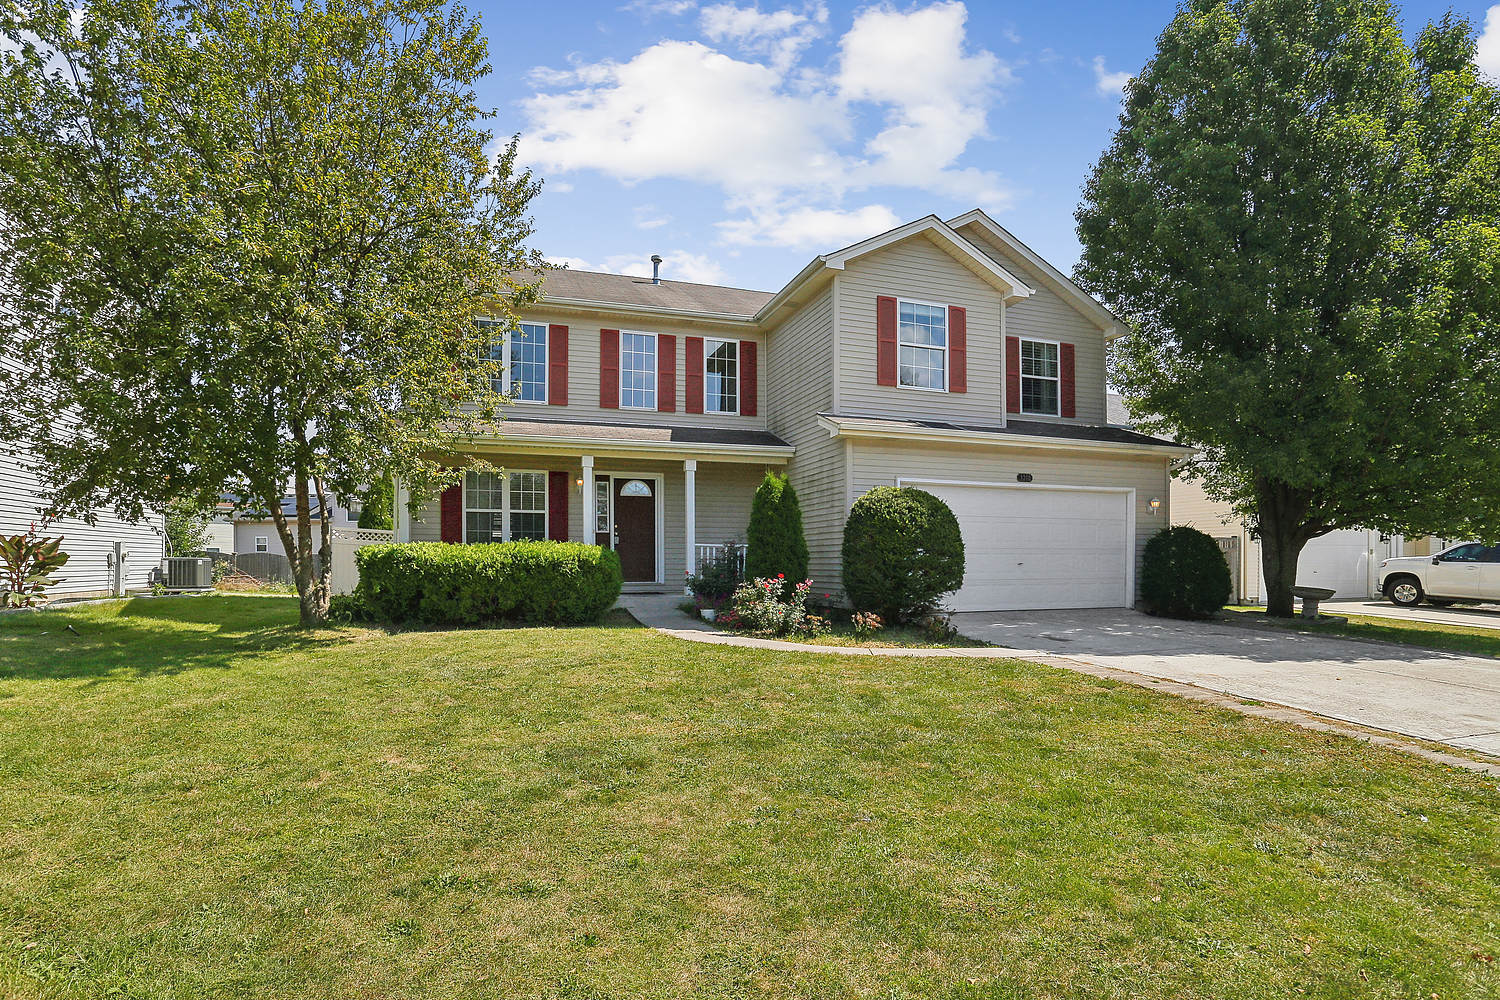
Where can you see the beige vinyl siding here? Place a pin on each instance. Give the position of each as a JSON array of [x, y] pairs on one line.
[[918, 269], [583, 372], [800, 385], [882, 463], [89, 546], [1193, 508], [1047, 315], [725, 493]]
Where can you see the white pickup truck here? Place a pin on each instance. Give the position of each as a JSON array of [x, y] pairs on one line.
[[1469, 571]]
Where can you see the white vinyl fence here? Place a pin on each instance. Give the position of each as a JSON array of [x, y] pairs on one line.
[[346, 542]]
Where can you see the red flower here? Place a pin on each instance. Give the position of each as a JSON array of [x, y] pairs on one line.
[[781, 576]]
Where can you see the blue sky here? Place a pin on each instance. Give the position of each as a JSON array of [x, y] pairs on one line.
[[739, 140]]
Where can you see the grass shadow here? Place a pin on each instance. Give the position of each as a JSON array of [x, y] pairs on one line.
[[150, 637]]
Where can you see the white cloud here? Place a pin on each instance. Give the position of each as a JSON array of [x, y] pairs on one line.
[[671, 8], [649, 217], [809, 228], [1109, 84], [779, 34], [1488, 56], [676, 265], [776, 132], [914, 63]]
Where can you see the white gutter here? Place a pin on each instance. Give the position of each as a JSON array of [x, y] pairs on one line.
[[593, 305], [854, 427], [617, 447]]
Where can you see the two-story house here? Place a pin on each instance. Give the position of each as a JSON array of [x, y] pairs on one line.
[[943, 355]]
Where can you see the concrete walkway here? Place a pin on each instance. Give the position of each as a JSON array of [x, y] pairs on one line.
[[660, 612], [1469, 616]]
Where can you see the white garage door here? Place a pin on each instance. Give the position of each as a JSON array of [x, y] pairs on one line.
[[1030, 548], [1340, 561]]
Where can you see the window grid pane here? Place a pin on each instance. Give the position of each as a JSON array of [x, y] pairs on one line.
[[494, 352], [1038, 359], [601, 506], [1039, 395], [528, 505], [721, 386], [638, 370], [922, 335], [528, 363]]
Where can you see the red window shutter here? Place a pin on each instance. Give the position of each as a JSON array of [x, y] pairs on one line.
[[692, 362], [958, 349], [666, 373], [885, 340], [1012, 374], [557, 506], [749, 379], [557, 365], [609, 369], [1066, 390], [451, 520]]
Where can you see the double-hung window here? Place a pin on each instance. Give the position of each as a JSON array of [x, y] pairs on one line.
[[519, 359], [637, 371], [922, 337], [1040, 380], [505, 506], [721, 376]]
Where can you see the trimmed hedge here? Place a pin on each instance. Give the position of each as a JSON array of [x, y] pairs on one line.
[[1184, 575], [902, 552], [443, 583]]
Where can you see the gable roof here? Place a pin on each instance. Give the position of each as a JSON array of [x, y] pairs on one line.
[[566, 286], [1081, 300], [930, 226]]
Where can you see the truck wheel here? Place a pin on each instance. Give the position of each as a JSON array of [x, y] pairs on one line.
[[1405, 591]]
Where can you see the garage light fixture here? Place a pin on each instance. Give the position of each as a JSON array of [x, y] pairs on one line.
[[1155, 504]]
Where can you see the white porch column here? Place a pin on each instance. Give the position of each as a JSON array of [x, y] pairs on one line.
[[690, 515], [401, 515], [590, 515]]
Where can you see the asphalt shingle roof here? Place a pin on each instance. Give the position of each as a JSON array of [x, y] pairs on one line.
[[624, 289]]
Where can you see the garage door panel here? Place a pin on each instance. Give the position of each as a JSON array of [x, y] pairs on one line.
[[1039, 548]]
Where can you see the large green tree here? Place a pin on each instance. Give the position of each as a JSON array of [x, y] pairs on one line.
[[1299, 218], [246, 243]]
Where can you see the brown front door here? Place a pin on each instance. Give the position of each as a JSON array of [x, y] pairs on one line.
[[635, 528]]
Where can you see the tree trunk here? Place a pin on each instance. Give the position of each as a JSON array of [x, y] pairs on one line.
[[1284, 531]]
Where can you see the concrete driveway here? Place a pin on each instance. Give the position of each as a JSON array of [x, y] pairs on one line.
[[1444, 697], [1470, 615]]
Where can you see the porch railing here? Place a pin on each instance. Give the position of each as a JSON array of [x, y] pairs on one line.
[[705, 554]]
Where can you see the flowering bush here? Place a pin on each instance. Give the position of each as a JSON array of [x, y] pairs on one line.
[[865, 623], [759, 606]]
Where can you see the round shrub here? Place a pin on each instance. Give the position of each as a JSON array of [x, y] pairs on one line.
[[902, 552], [446, 584], [1184, 575], [774, 544]]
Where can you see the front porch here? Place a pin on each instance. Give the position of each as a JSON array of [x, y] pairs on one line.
[[664, 514]]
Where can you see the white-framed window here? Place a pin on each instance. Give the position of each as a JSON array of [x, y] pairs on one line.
[[262, 543], [519, 357], [922, 343], [1041, 380], [601, 506], [721, 376], [637, 370], [505, 506]]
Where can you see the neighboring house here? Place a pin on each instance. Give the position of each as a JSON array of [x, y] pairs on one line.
[[944, 355], [255, 531], [91, 570], [1346, 562]]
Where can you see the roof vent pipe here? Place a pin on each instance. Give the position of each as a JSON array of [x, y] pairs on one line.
[[656, 269]]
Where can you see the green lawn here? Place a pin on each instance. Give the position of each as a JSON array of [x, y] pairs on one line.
[[199, 800], [1407, 632]]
